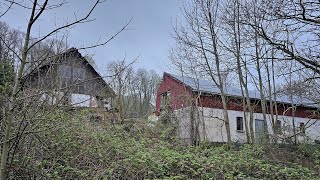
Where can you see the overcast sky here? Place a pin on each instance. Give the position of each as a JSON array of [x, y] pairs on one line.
[[148, 36]]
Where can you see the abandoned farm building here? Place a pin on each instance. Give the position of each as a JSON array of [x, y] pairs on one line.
[[68, 79], [184, 95]]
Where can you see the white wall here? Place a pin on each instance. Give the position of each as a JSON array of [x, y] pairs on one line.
[[80, 100], [183, 116], [215, 129], [52, 98], [107, 103], [76, 100]]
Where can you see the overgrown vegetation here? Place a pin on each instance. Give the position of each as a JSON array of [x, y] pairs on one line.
[[6, 76], [42, 142], [80, 149]]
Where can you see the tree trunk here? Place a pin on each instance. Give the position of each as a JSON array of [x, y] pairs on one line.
[[16, 87], [270, 105], [258, 66], [243, 85]]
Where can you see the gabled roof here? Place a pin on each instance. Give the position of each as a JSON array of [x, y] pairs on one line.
[[74, 50], [76, 53], [208, 86], [71, 52]]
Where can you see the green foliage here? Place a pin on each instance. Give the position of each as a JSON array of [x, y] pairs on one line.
[[6, 76], [312, 151], [77, 150]]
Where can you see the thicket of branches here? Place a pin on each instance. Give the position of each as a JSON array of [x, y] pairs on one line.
[[22, 53], [135, 89], [271, 46]]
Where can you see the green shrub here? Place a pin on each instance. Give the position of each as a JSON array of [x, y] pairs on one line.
[[73, 149]]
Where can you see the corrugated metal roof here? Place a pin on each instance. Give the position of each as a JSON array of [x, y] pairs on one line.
[[208, 86]]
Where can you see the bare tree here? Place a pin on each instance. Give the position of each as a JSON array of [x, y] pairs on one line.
[[233, 22], [200, 37], [17, 97], [5, 7], [290, 30], [298, 34], [117, 67], [258, 68], [135, 89], [186, 64]]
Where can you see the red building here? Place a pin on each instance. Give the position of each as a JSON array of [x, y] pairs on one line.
[[180, 92]]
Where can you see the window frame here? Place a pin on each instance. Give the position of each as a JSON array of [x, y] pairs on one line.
[[80, 88], [65, 71], [239, 124], [64, 75], [78, 74], [165, 100]]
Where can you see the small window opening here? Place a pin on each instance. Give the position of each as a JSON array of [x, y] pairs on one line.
[[78, 74], [239, 123], [165, 100], [80, 88]]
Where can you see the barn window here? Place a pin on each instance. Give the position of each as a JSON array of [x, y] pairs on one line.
[[80, 88], [78, 73], [239, 123], [65, 71], [165, 100], [302, 128]]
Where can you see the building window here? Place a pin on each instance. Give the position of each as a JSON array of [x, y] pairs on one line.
[[65, 71], [80, 88], [78, 74], [239, 123], [165, 100], [302, 128]]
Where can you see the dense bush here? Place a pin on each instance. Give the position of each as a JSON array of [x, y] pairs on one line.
[[77, 149], [6, 76]]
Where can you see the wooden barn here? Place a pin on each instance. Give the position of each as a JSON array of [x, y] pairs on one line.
[[68, 79], [200, 100]]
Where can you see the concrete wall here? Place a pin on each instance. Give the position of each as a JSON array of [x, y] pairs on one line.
[[183, 116], [215, 131]]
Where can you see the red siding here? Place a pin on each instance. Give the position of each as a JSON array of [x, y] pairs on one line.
[[180, 95], [214, 101], [299, 112]]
